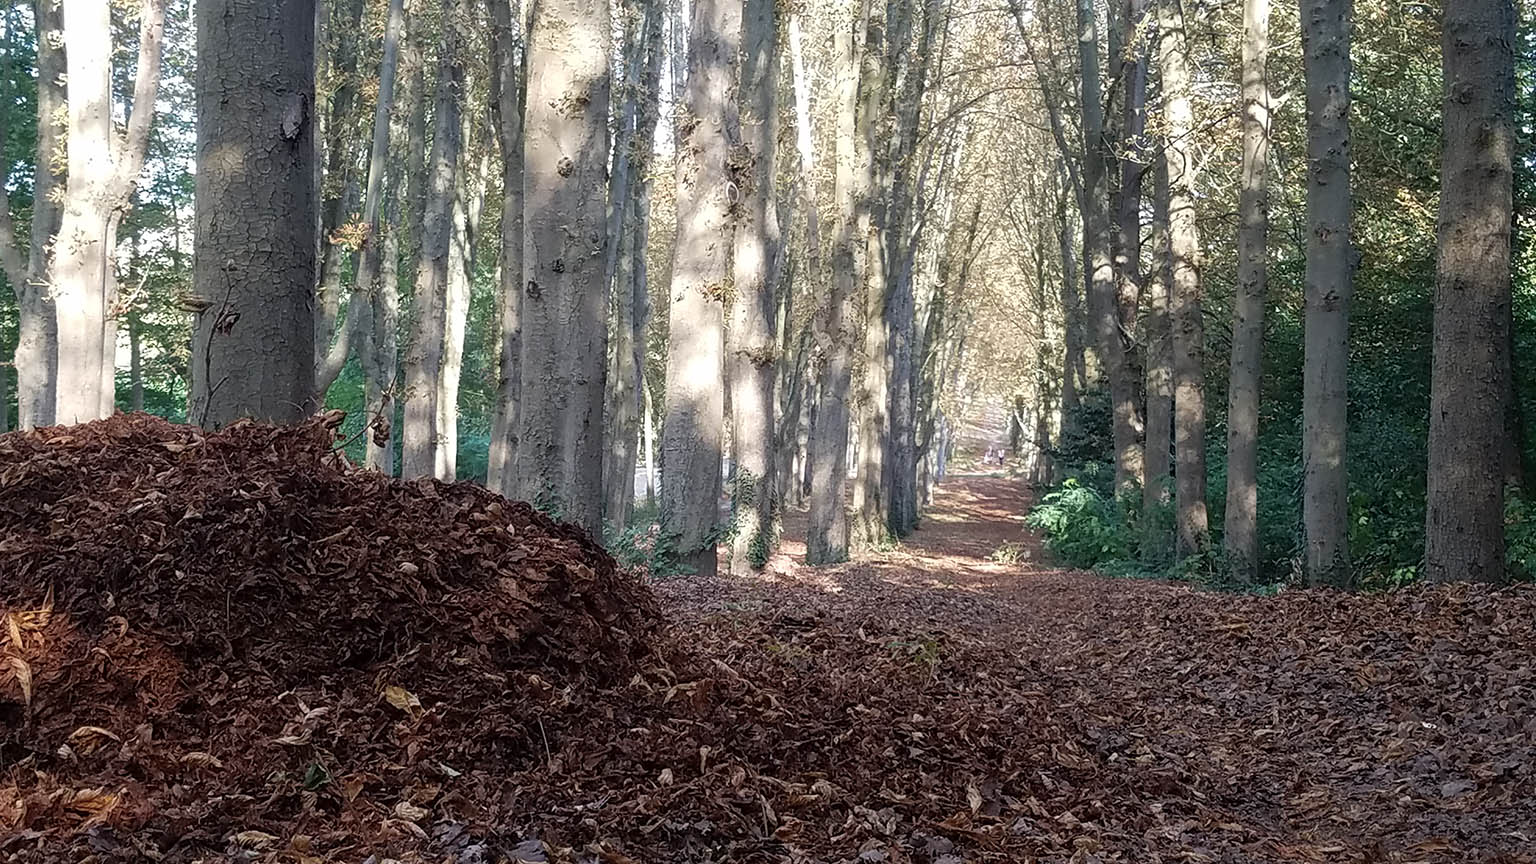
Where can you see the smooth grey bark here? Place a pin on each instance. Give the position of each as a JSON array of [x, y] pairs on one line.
[[333, 332], [873, 396], [1326, 27], [37, 327], [1157, 541], [508, 86], [1464, 524], [701, 273], [1134, 61], [752, 350], [379, 306], [638, 119], [1240, 535], [559, 456], [102, 179], [827, 532], [1191, 521], [254, 272], [469, 202], [423, 451], [1103, 305]]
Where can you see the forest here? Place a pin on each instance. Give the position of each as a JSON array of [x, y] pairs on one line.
[[933, 431]]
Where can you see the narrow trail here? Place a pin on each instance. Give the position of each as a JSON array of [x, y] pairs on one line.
[[1089, 719]]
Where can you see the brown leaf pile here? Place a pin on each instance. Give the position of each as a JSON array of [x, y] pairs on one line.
[[211, 635]]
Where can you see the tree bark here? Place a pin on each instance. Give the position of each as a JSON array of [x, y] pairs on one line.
[[469, 202], [254, 273], [99, 191], [1156, 544], [564, 313], [873, 396], [701, 273], [1192, 529], [1464, 525], [423, 452], [377, 342], [827, 533], [1103, 306], [37, 326], [753, 348], [1326, 28], [1240, 536], [333, 332], [508, 88]]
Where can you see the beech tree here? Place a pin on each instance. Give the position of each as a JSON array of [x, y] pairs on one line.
[[1464, 531], [1326, 27], [254, 275], [558, 457]]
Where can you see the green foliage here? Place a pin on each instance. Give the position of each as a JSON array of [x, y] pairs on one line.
[[1083, 527], [1520, 536], [642, 546]]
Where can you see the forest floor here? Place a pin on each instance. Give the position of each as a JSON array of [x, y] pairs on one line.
[[969, 709], [233, 648]]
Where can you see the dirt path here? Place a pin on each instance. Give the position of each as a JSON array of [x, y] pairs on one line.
[[1061, 716]]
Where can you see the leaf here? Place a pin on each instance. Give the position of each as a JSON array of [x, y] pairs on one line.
[[403, 699], [973, 796], [254, 840], [202, 760], [410, 812], [23, 674]]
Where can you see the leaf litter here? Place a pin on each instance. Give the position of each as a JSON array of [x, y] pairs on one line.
[[238, 648]]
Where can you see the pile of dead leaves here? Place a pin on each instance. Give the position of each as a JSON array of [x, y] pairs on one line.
[[209, 639]]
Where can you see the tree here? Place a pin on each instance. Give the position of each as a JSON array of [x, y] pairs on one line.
[[1103, 298], [558, 459], [1156, 545], [827, 531], [102, 177], [701, 270], [424, 440], [1240, 537], [1464, 530], [751, 354], [1190, 519], [254, 275], [1326, 27], [508, 83]]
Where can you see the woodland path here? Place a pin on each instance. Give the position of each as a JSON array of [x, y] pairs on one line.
[[1062, 716]]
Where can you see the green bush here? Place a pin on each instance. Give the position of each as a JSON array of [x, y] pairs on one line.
[[1083, 527]]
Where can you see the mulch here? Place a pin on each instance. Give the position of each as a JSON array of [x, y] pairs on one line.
[[234, 647]]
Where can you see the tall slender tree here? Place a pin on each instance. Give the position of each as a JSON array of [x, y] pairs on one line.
[[1326, 27], [423, 440], [752, 350], [564, 312], [1240, 537], [508, 83], [1464, 530], [692, 436], [827, 534], [1156, 542], [254, 274], [103, 173]]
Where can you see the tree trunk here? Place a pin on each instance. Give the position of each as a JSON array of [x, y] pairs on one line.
[[638, 120], [827, 533], [1156, 544], [508, 88], [422, 440], [1464, 526], [332, 342], [1074, 372], [377, 342], [1190, 518], [80, 255], [37, 325], [873, 397], [701, 273], [1240, 536], [1326, 28], [1132, 162], [254, 273], [469, 201], [1103, 306], [564, 313]]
